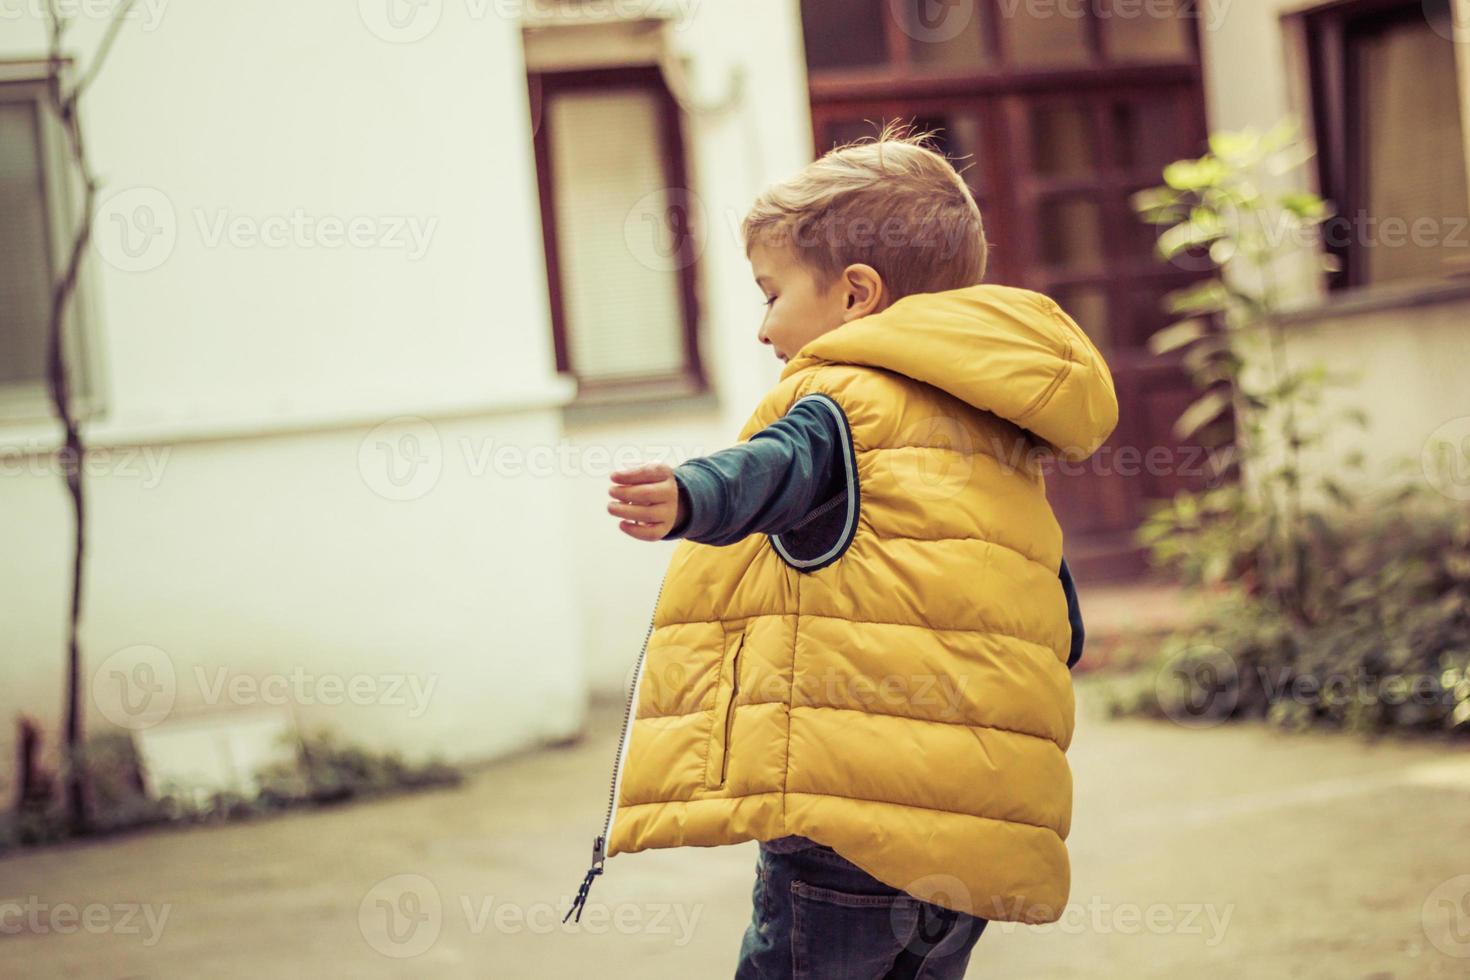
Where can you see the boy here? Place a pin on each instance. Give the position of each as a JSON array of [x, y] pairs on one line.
[[859, 656]]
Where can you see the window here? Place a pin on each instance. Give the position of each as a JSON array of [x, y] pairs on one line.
[[1386, 106], [621, 232], [34, 234], [896, 38]]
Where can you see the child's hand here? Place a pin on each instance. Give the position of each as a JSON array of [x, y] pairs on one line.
[[650, 501]]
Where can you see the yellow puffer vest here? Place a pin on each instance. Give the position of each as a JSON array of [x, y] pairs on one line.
[[898, 692]]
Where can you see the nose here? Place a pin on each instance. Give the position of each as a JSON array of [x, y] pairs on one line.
[[761, 335]]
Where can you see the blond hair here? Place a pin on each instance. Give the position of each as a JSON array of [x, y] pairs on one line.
[[890, 202]]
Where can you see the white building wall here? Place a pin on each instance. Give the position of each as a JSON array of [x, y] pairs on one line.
[[256, 375]]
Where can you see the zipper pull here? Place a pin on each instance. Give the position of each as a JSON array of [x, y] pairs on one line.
[[599, 855]]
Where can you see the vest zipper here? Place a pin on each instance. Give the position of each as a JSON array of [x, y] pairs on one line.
[[599, 844], [730, 708]]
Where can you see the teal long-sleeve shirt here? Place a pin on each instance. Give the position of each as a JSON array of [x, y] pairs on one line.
[[769, 483]]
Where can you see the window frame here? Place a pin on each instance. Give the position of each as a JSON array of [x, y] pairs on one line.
[[26, 402], [1329, 72], [545, 86]]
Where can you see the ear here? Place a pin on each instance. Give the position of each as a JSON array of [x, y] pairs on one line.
[[862, 290]]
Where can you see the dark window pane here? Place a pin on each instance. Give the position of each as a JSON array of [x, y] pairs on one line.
[[844, 33], [946, 34], [1413, 154], [1062, 143], [843, 131], [1139, 237], [1151, 31], [1045, 34], [25, 267], [1070, 233], [1147, 135], [967, 148], [1088, 305]]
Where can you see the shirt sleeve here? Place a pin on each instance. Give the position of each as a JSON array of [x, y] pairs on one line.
[[1074, 615], [764, 485]]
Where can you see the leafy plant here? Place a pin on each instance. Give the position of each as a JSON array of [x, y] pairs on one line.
[[1219, 215], [1322, 605]]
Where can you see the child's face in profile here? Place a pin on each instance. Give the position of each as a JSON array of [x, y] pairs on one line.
[[798, 308]]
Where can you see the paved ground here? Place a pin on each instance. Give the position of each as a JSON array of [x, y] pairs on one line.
[[1233, 852]]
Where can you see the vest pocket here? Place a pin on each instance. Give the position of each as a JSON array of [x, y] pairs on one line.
[[717, 758]]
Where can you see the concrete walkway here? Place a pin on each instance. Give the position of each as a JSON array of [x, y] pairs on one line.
[[1231, 852]]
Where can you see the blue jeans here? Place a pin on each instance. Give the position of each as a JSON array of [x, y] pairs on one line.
[[816, 916]]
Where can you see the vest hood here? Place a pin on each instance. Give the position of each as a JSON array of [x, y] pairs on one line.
[[1004, 350]]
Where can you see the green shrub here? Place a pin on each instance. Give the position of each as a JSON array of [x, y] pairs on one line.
[[1384, 644]]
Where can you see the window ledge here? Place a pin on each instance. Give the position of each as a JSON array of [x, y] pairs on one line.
[[1376, 299], [252, 422], [631, 402]]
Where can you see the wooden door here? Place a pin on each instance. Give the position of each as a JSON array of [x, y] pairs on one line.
[[1053, 127]]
